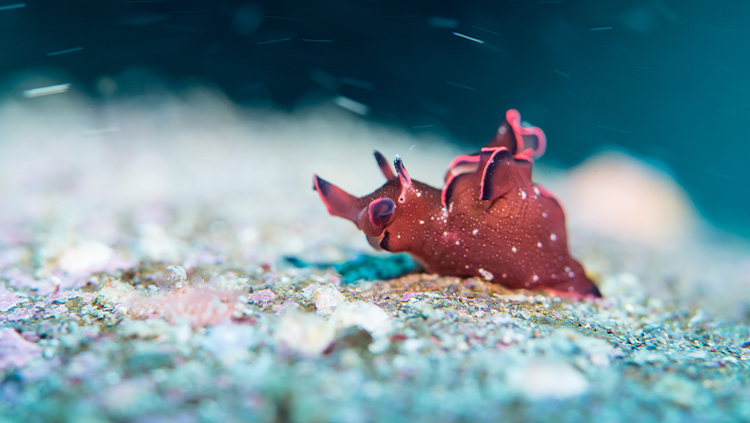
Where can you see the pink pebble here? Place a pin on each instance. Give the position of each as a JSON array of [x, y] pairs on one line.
[[16, 351], [8, 299], [409, 295], [263, 296]]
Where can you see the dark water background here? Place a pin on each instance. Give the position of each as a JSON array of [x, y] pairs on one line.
[[666, 80]]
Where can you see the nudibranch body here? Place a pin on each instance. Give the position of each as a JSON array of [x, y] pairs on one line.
[[489, 220]]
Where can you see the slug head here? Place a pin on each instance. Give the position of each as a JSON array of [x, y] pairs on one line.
[[375, 213]]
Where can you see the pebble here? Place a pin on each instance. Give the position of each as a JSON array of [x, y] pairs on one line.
[[86, 257], [230, 342], [409, 295], [305, 333], [677, 389], [16, 351], [367, 316], [8, 299], [326, 297], [263, 296], [548, 380]]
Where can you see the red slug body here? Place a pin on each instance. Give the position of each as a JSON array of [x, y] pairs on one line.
[[489, 220]]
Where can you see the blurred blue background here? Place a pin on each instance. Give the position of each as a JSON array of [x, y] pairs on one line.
[[665, 80]]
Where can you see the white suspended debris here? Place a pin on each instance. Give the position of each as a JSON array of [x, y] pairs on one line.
[[601, 28], [485, 30], [280, 17], [487, 275], [12, 6], [460, 85], [70, 50], [274, 41], [476, 40], [42, 91], [351, 105]]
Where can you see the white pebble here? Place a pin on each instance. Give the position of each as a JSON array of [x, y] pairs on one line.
[[364, 315], [326, 297], [544, 380], [304, 333], [88, 256]]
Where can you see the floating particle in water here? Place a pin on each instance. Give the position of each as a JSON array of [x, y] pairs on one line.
[[12, 6], [49, 90], [351, 105], [286, 18], [485, 30], [476, 40], [466, 87], [66, 51], [274, 41]]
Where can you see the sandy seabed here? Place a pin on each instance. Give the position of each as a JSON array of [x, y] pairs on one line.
[[165, 260]]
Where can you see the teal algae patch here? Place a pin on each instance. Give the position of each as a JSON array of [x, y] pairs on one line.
[[370, 268]]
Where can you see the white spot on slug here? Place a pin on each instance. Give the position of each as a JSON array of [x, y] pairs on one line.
[[539, 244], [514, 249], [486, 275], [553, 237], [536, 190], [535, 278], [475, 231], [421, 222], [523, 194]]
